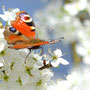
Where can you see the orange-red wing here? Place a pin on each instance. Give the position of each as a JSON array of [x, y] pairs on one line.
[[28, 44], [18, 13], [12, 38], [31, 44], [23, 28]]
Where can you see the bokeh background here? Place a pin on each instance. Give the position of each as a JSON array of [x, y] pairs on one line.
[[55, 19]]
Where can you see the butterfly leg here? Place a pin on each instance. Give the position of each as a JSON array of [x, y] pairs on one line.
[[41, 50], [27, 55]]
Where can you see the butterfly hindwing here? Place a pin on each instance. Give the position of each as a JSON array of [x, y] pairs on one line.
[[31, 44], [12, 35]]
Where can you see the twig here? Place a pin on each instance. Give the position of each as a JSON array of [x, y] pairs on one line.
[[45, 66]]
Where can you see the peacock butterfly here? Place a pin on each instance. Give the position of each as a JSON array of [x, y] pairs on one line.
[[22, 33]]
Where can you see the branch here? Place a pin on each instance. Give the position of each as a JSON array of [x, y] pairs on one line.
[[45, 66]]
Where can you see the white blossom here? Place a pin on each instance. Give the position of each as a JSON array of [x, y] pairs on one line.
[[9, 15], [1, 64], [57, 59], [2, 40], [15, 73], [1, 32], [58, 53], [59, 22], [83, 48], [39, 61], [2, 44], [75, 7], [23, 75], [77, 80]]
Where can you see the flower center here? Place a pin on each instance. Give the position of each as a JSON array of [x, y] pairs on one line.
[[54, 57]]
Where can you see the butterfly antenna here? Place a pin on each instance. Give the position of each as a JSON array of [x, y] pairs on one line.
[[55, 41], [27, 55], [61, 38]]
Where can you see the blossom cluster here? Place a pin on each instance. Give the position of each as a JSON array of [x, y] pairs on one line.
[[35, 74], [71, 20], [77, 80], [63, 20], [18, 74]]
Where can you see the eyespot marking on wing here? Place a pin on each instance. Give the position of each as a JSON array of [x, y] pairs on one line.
[[25, 17], [13, 30]]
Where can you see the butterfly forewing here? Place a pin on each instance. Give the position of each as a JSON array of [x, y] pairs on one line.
[[24, 24], [24, 28]]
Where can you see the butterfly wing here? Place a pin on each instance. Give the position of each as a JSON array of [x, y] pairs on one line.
[[23, 28], [31, 44], [19, 41], [12, 35], [22, 33], [24, 24]]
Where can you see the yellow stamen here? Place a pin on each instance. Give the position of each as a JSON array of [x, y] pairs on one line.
[[1, 26]]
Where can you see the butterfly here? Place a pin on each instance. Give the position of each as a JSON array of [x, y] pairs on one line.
[[22, 33]]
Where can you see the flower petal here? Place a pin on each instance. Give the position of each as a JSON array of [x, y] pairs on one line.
[[58, 53], [1, 64], [55, 63], [63, 61]]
